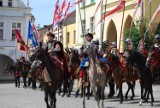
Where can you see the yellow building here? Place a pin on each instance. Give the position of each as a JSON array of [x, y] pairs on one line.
[[112, 27], [69, 30]]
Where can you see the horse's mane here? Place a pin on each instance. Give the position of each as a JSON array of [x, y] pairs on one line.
[[47, 57], [140, 59]]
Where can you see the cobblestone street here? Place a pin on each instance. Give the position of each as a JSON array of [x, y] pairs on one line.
[[11, 97]]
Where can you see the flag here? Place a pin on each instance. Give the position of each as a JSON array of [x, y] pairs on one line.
[[120, 6], [97, 9], [35, 30], [62, 14], [63, 7], [31, 35], [75, 3], [134, 13], [147, 5], [20, 42], [56, 12], [154, 17]]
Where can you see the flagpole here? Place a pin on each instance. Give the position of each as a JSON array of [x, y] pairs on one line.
[[81, 21], [121, 28], [142, 19], [103, 22]]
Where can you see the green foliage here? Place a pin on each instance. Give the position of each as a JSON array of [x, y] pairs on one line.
[[136, 35]]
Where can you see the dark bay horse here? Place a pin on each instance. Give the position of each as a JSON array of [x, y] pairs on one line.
[[134, 57], [55, 75]]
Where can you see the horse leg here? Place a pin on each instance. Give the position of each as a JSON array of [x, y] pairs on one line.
[[129, 87], [18, 81], [142, 87], [121, 93], [132, 90], [88, 91], [98, 95], [111, 89], [54, 99], [83, 92], [46, 99], [102, 96]]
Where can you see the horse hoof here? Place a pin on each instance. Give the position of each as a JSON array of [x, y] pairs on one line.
[[151, 104], [131, 98], [139, 104], [126, 97]]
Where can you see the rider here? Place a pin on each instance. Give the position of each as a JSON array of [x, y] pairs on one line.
[[157, 41], [50, 48], [114, 49], [51, 41], [129, 45], [85, 62]]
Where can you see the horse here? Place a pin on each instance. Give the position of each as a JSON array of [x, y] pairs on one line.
[[55, 75], [134, 57], [116, 69], [153, 61], [97, 78]]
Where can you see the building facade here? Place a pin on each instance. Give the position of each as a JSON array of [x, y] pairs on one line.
[[112, 26], [69, 30], [13, 14]]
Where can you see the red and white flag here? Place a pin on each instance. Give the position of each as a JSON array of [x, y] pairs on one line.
[[134, 13], [35, 30], [73, 4], [21, 44], [56, 12], [120, 6], [97, 8], [157, 12]]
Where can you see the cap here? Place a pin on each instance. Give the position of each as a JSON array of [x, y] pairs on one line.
[[50, 34], [90, 35]]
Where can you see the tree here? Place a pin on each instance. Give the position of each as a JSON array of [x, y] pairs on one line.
[[136, 35]]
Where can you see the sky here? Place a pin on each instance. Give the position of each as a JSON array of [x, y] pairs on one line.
[[43, 10]]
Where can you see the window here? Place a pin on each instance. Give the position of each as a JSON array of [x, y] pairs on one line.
[[92, 24], [84, 26], [18, 27], [1, 3], [67, 38], [83, 3], [92, 1], [10, 3], [1, 30], [74, 37]]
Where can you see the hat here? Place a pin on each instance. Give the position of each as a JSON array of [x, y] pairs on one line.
[[50, 34], [96, 42], [90, 35], [157, 36]]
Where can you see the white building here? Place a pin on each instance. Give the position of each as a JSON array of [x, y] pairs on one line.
[[85, 21], [13, 14]]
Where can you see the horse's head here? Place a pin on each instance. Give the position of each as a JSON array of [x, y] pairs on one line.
[[38, 54], [129, 58], [35, 65], [113, 59]]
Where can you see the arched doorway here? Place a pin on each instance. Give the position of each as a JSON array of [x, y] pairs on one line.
[[111, 32], [127, 24], [126, 29], [3, 62]]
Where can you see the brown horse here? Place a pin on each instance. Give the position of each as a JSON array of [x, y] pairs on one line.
[[122, 74], [55, 75]]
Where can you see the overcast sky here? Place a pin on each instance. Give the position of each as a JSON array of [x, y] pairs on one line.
[[43, 10]]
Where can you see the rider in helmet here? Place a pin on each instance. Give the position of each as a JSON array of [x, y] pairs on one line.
[[114, 49], [157, 41], [128, 43]]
